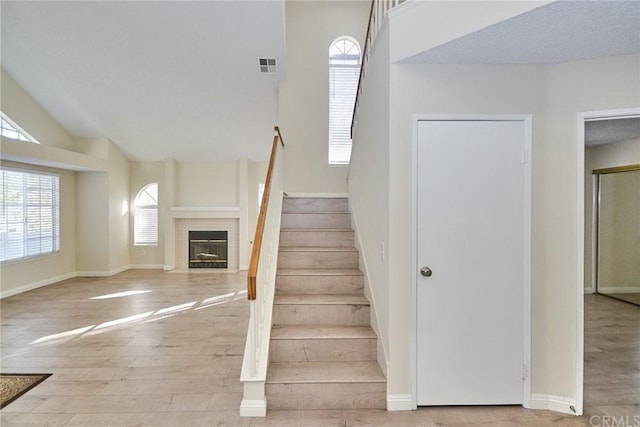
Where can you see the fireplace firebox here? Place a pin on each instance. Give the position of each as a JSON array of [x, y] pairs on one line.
[[207, 249]]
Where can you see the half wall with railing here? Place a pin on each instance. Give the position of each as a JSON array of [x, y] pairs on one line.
[[261, 278]]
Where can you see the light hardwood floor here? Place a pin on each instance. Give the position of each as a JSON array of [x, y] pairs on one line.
[[165, 349]]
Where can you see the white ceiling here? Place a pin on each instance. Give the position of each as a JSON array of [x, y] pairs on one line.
[[558, 32], [609, 131], [166, 79], [179, 79]]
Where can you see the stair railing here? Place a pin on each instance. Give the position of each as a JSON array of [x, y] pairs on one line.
[[261, 278], [379, 9]]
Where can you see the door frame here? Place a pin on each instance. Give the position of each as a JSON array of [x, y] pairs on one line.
[[581, 118], [527, 158]]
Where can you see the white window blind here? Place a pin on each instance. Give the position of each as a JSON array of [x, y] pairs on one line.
[[344, 72], [145, 221], [29, 214]]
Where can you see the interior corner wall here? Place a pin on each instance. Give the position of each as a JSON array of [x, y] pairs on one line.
[[20, 107], [92, 225], [369, 190], [119, 232], [19, 276], [553, 95], [603, 156], [311, 27]]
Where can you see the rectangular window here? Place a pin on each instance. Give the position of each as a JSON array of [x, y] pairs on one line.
[[29, 214], [343, 83], [146, 226]]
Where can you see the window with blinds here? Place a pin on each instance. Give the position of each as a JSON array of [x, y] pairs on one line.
[[145, 223], [29, 214], [344, 72]]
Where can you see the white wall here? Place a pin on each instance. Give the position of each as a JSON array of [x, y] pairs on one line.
[[553, 95], [22, 275], [30, 116], [369, 191], [119, 202], [311, 27], [19, 276], [207, 184], [600, 157]]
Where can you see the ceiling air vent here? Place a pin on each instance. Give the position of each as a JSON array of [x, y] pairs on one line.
[[267, 65]]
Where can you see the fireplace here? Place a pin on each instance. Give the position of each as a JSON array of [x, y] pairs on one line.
[[208, 249]]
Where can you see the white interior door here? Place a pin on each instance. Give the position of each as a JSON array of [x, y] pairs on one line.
[[471, 234]]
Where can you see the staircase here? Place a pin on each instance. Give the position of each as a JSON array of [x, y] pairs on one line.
[[322, 350]]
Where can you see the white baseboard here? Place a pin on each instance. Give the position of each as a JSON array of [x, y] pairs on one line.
[[103, 273], [400, 402], [36, 285], [146, 267], [168, 267], [619, 289], [588, 291], [253, 408], [319, 195], [551, 402]]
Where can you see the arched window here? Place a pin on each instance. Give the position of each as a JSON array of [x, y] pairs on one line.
[[145, 223], [344, 71]]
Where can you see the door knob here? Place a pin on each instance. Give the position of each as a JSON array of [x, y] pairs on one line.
[[426, 271]]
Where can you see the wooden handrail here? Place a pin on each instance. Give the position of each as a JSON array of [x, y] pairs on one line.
[[257, 241], [277, 129], [363, 60]]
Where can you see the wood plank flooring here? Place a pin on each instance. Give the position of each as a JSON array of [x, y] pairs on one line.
[[151, 348]]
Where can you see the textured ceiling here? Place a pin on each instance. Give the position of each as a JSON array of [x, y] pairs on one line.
[[599, 132], [558, 32], [167, 79]]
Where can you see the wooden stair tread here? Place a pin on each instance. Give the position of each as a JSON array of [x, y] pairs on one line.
[[319, 272], [319, 299], [302, 332], [325, 372], [316, 230], [317, 249]]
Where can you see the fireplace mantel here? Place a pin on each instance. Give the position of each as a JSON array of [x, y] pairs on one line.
[[205, 212]]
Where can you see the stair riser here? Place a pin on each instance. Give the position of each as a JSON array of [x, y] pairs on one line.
[[317, 238], [316, 220], [320, 284], [317, 259], [322, 350], [314, 205], [326, 314], [326, 396]]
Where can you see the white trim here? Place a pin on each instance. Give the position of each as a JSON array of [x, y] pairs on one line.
[[595, 184], [381, 351], [253, 408], [146, 267], [318, 195], [103, 273], [555, 403], [619, 290], [400, 402], [581, 118], [527, 121], [206, 208], [168, 267], [36, 285], [188, 212]]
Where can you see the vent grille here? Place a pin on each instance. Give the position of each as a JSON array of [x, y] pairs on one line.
[[267, 65]]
